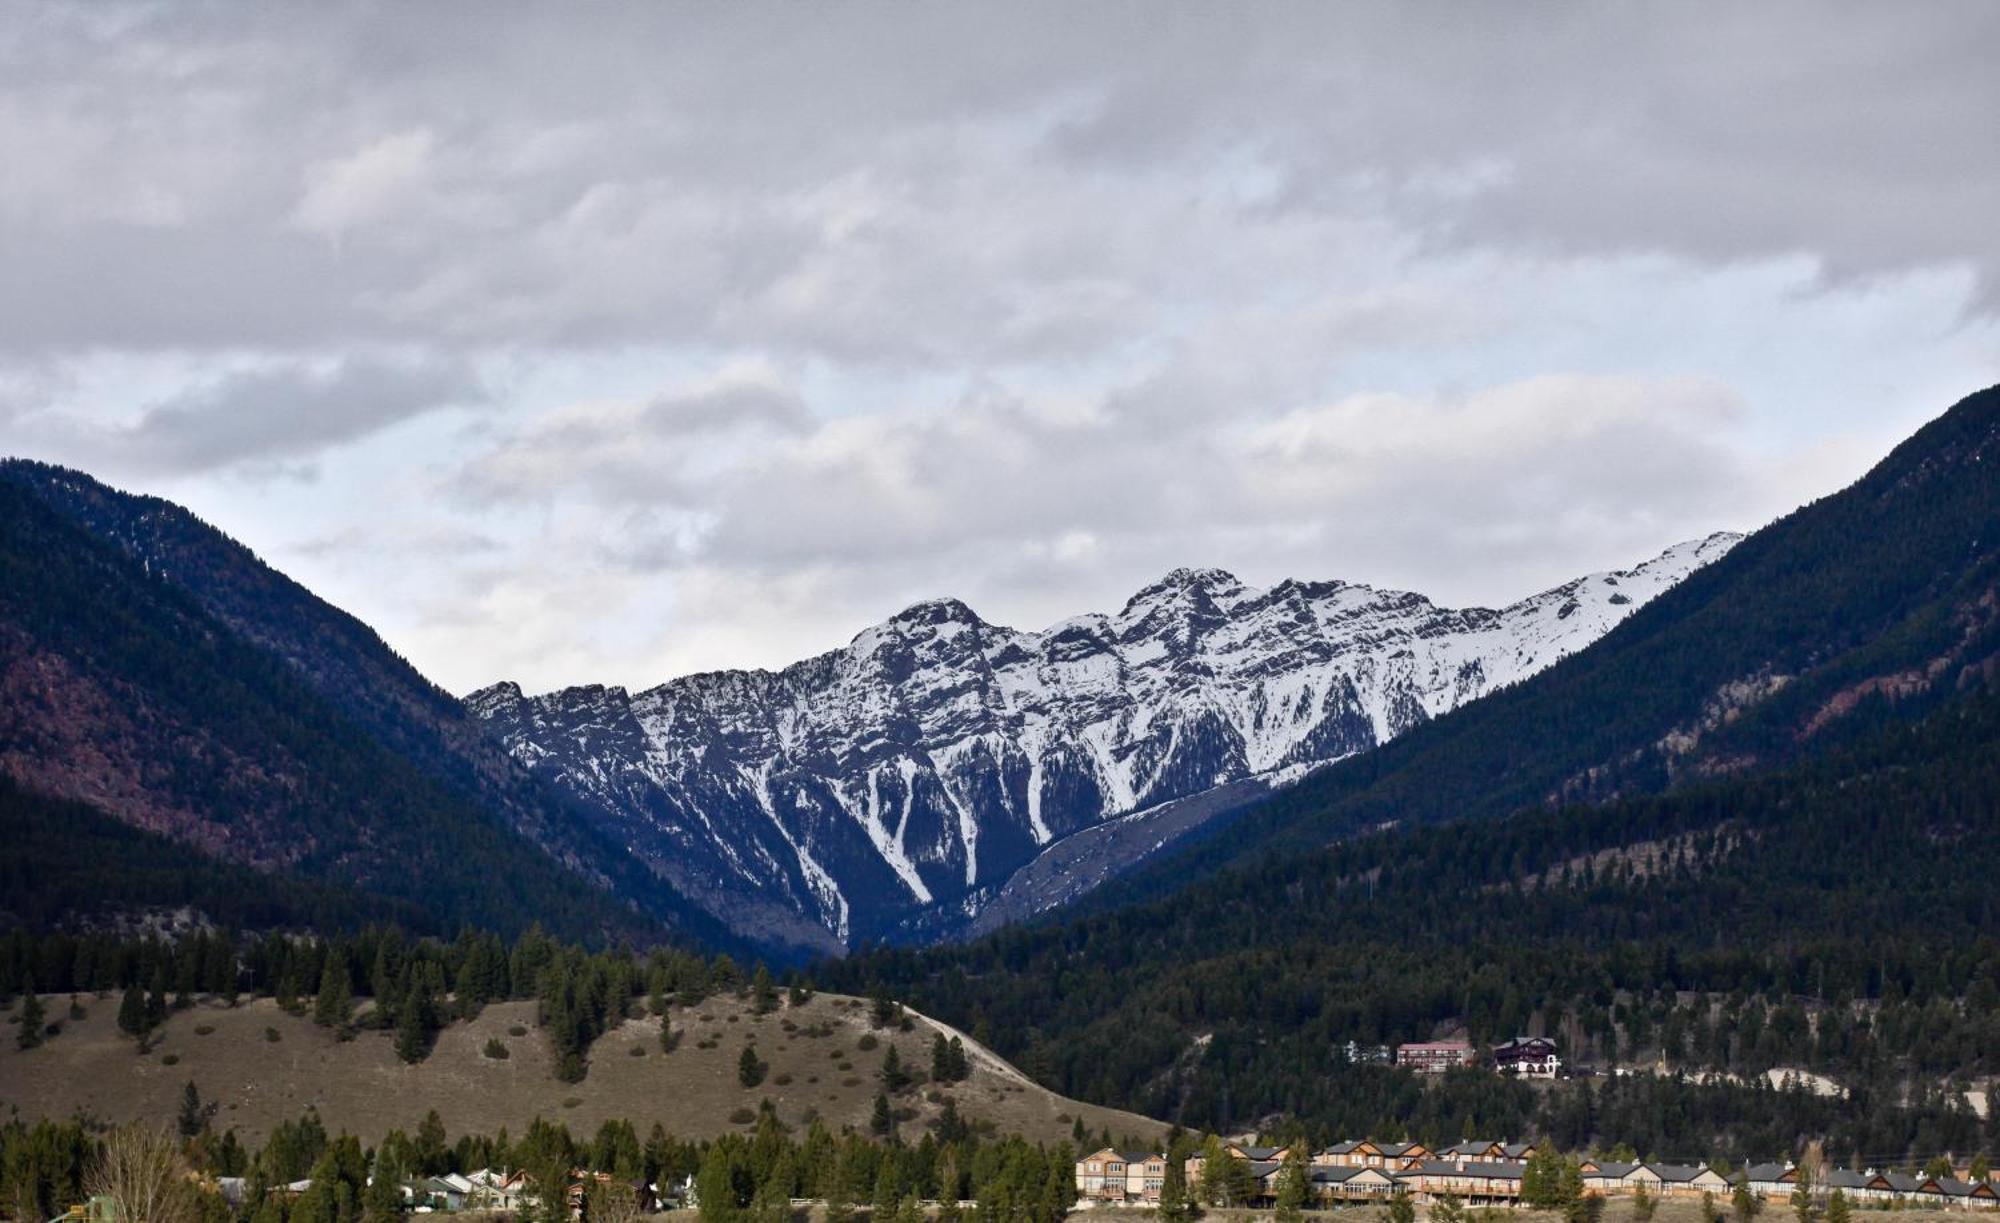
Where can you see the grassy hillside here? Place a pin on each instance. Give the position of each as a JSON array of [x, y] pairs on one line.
[[817, 1066]]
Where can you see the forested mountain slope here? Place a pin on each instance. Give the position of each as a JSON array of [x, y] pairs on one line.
[[1836, 916], [1888, 588], [1775, 787], [154, 669]]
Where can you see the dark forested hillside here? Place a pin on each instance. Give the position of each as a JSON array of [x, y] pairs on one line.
[[1749, 828], [262, 732], [1890, 588], [1837, 916]]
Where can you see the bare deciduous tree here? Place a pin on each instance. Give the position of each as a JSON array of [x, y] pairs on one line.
[[142, 1170]]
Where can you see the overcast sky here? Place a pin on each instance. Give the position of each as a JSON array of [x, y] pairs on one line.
[[576, 343]]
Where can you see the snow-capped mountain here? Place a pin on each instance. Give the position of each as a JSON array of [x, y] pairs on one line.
[[912, 773]]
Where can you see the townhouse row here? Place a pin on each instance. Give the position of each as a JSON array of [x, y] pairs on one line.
[[1490, 1174]]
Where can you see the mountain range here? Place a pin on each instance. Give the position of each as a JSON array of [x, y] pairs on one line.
[[915, 783], [940, 776]]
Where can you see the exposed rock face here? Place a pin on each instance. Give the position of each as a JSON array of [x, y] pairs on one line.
[[914, 772]]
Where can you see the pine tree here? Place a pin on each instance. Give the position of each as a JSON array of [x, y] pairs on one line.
[[894, 1077], [1643, 1203], [415, 1023], [750, 1070], [1802, 1193], [1293, 1188], [763, 992], [882, 1120], [335, 1001], [1214, 1183], [156, 999], [940, 1059], [33, 1019], [1541, 1180], [960, 1068], [194, 1115], [1570, 1198], [382, 1199], [1175, 1204], [715, 1186], [132, 1012], [1838, 1210], [1446, 1208], [1401, 1208], [1742, 1203]]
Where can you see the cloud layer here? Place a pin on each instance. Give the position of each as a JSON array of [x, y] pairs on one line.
[[686, 336]]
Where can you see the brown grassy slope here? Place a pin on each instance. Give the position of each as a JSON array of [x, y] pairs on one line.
[[360, 1086]]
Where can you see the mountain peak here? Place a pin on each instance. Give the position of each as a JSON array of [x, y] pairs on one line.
[[936, 611], [1210, 582]]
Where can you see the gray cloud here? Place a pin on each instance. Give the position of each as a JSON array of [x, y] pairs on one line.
[[1024, 303], [960, 184], [285, 414]]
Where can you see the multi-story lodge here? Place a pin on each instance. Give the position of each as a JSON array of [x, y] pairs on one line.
[[1434, 1056], [1528, 1057]]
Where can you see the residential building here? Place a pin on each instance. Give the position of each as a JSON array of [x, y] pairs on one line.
[[1111, 1175]]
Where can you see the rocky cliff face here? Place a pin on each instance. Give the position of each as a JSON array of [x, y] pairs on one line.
[[898, 784]]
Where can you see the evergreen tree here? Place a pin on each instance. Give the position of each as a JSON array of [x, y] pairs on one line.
[[1401, 1208], [1838, 1209], [894, 1077], [382, 1198], [416, 1023], [156, 998], [1570, 1198], [1175, 1204], [763, 992], [1446, 1208], [1541, 1179], [715, 1186], [33, 1019], [1293, 1188], [960, 1068], [132, 1012], [881, 1121], [193, 1116], [750, 1070], [1743, 1203], [1802, 1193], [431, 1157], [1214, 1184], [335, 1000], [1643, 1203], [940, 1060]]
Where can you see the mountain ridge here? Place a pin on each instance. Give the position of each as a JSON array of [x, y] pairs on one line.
[[922, 765], [158, 671]]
